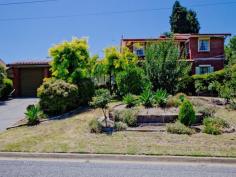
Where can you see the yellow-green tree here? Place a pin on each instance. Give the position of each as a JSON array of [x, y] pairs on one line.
[[70, 60], [115, 61]]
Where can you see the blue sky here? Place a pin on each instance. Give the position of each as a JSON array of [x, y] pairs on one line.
[[31, 39]]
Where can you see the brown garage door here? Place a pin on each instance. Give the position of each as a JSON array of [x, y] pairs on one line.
[[31, 79]]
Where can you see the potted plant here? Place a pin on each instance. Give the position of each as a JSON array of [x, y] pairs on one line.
[[101, 100]]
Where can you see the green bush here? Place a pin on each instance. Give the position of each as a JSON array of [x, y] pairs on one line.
[[221, 123], [177, 100], [120, 126], [95, 126], [212, 129], [132, 80], [57, 96], [33, 114], [186, 113], [7, 88], [130, 117], [129, 100], [161, 97], [147, 98], [179, 128], [214, 125], [86, 90]]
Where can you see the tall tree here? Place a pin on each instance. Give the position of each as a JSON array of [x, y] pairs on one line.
[[163, 67], [183, 20]]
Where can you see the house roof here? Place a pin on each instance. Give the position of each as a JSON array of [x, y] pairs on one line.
[[30, 62], [177, 36]]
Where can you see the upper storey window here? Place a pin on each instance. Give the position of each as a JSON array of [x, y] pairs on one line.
[[139, 50], [204, 45]]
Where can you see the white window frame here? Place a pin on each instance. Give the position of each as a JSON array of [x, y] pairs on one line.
[[209, 44], [211, 69]]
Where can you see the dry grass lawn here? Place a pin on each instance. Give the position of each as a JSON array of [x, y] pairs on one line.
[[72, 135]]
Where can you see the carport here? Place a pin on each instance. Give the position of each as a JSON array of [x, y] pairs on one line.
[[27, 76]]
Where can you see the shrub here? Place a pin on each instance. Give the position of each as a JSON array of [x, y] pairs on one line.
[[221, 123], [86, 90], [186, 113], [129, 100], [7, 88], [130, 117], [57, 96], [95, 126], [120, 126], [212, 129], [33, 114], [177, 100], [179, 128], [161, 97], [147, 98], [132, 80]]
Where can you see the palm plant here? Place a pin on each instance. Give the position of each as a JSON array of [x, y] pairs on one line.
[[33, 114]]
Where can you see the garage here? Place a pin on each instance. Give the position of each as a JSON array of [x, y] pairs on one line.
[[28, 76]]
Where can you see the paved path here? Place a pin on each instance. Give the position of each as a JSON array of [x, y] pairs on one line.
[[13, 110], [70, 168]]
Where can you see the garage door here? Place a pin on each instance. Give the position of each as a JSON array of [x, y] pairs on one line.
[[31, 79]]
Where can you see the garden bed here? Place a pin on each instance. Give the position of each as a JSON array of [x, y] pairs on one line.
[[154, 115]]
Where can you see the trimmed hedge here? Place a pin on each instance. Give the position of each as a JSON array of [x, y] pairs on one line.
[[7, 88]]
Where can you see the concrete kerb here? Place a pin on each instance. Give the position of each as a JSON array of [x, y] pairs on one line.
[[111, 157]]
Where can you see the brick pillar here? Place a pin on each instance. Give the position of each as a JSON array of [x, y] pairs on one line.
[[16, 81]]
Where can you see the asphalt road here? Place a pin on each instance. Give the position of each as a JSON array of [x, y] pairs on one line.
[[13, 110], [70, 168]]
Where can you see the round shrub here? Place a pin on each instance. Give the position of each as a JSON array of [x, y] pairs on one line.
[[132, 80], [7, 88], [186, 113], [57, 96], [86, 90]]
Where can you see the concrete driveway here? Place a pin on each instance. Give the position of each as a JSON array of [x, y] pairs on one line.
[[13, 110]]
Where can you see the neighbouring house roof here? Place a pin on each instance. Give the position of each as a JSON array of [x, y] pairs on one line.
[[39, 62]]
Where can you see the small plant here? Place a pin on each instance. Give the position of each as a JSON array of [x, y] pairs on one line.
[[101, 100], [161, 97], [212, 129], [129, 100], [214, 125], [120, 126], [177, 100], [186, 113], [130, 117], [95, 126], [147, 98], [33, 114], [179, 128]]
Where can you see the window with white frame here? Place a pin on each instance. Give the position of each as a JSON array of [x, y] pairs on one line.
[[139, 51], [204, 69], [203, 45]]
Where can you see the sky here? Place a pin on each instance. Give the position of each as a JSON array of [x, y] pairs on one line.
[[27, 32]]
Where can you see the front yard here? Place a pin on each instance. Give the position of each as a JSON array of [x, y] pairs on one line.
[[72, 135]]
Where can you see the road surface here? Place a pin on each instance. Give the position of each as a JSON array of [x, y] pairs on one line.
[[72, 168]]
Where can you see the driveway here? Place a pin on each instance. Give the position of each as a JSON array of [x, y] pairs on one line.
[[13, 110]]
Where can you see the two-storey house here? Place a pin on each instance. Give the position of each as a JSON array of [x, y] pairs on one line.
[[204, 51]]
